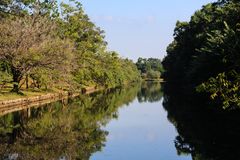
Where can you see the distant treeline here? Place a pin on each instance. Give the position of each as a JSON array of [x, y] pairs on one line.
[[150, 68], [48, 45], [204, 57]]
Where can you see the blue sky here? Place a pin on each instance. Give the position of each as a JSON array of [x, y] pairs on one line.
[[140, 28]]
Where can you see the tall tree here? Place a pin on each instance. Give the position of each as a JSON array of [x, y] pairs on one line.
[[211, 63], [30, 43]]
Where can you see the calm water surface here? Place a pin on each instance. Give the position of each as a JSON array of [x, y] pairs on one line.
[[141, 132], [122, 124]]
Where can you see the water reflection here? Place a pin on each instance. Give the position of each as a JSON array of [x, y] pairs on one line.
[[150, 92], [142, 131], [80, 128], [205, 132], [62, 130]]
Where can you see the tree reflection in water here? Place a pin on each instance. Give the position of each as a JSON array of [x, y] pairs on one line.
[[150, 92], [62, 130], [204, 131]]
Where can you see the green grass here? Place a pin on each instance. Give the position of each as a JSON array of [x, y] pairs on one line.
[[5, 94]]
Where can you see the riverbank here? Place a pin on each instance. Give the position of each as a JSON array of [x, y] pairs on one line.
[[14, 102], [153, 80]]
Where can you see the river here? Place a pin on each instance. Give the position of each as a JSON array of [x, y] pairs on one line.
[[120, 124]]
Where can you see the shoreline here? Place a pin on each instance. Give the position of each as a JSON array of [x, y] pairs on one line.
[[153, 80], [12, 105], [17, 104]]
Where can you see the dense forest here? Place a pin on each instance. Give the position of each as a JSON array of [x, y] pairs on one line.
[[202, 89], [150, 68], [46, 45], [204, 57]]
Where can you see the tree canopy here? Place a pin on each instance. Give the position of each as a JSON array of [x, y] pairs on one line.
[[204, 55], [48, 46], [150, 68]]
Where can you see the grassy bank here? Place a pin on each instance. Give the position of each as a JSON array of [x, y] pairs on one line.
[[7, 95]]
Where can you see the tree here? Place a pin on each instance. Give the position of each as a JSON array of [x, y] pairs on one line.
[[150, 68], [96, 66], [19, 8], [58, 46], [29, 43], [210, 65]]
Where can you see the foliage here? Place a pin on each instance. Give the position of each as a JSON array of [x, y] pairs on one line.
[[4, 73], [29, 43], [95, 65], [150, 68], [51, 46], [223, 90], [212, 56], [153, 74]]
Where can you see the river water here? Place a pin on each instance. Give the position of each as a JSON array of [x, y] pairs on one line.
[[142, 131], [121, 124]]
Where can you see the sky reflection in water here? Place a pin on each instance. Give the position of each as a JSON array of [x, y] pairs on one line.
[[141, 132]]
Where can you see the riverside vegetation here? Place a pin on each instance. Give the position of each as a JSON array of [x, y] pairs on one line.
[[47, 46], [204, 57], [202, 89], [150, 68], [59, 47]]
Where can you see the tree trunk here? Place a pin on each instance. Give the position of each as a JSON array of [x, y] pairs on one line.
[[15, 88], [26, 81], [16, 80]]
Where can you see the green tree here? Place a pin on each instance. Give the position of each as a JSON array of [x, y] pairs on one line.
[[58, 46], [95, 65], [29, 43], [213, 56], [150, 68]]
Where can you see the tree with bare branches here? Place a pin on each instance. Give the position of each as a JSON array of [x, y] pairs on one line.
[[31, 43]]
